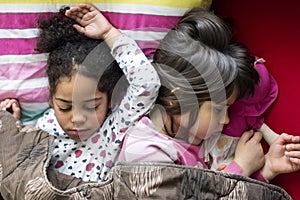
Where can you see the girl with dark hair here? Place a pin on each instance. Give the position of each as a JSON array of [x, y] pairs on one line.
[[202, 74]]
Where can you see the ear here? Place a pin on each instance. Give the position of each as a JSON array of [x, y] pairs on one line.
[[50, 101]]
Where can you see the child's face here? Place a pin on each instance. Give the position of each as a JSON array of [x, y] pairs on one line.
[[211, 119], [79, 106]]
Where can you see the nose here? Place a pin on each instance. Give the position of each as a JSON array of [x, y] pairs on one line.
[[78, 118]]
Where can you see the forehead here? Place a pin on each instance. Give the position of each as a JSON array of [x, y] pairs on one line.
[[229, 101], [77, 86]]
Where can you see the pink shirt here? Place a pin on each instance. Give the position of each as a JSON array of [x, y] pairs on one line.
[[143, 143]]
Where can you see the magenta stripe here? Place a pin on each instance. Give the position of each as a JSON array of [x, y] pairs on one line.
[[19, 20], [27, 96], [120, 20], [22, 71], [148, 47], [17, 46], [141, 21], [26, 46]]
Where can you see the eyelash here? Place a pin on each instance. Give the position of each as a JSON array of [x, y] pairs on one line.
[[64, 109], [93, 108], [87, 108]]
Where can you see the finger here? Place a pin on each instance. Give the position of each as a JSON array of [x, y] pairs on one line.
[[80, 29], [15, 106], [79, 14], [5, 104], [284, 138], [246, 136], [89, 16], [85, 10], [296, 139], [292, 146], [294, 154], [70, 15], [9, 104], [295, 161], [87, 7], [257, 137], [16, 110], [73, 12]]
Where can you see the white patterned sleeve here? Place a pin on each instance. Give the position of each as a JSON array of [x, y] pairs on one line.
[[143, 81]]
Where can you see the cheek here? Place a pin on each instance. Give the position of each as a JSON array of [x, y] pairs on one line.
[[199, 129], [99, 116], [207, 126], [62, 119]]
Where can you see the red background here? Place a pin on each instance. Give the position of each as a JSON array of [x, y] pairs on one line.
[[271, 29]]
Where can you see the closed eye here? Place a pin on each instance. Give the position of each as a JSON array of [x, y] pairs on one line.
[[92, 108], [65, 109]]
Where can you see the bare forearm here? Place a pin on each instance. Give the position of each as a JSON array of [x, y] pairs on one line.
[[268, 134]]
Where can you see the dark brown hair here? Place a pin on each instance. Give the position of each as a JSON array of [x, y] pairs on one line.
[[197, 61]]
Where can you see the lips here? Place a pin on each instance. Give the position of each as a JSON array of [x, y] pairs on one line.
[[79, 133]]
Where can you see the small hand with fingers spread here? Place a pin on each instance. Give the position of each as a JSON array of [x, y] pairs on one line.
[[92, 23], [12, 106], [283, 156]]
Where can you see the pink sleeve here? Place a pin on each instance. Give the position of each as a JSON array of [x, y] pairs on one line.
[[143, 144], [134, 150], [233, 168], [258, 176], [247, 113]]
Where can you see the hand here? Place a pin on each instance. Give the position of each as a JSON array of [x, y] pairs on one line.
[[283, 156], [249, 154], [93, 23], [12, 106]]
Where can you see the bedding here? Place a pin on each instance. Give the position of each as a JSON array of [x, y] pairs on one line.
[[24, 158], [22, 69]]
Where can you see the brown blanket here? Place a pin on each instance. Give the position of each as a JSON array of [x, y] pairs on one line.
[[25, 153]]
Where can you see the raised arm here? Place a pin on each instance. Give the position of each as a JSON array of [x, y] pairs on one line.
[[268, 134], [143, 79]]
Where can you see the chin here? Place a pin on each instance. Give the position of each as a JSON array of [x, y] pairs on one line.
[[80, 137]]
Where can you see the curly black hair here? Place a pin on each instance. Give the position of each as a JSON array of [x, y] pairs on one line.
[[72, 52]]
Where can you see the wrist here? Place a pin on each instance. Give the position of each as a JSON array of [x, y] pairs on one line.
[[111, 36], [243, 168], [267, 172]]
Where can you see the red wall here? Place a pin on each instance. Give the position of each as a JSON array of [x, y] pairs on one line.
[[271, 29]]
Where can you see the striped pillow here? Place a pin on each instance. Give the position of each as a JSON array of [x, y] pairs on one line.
[[22, 70]]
